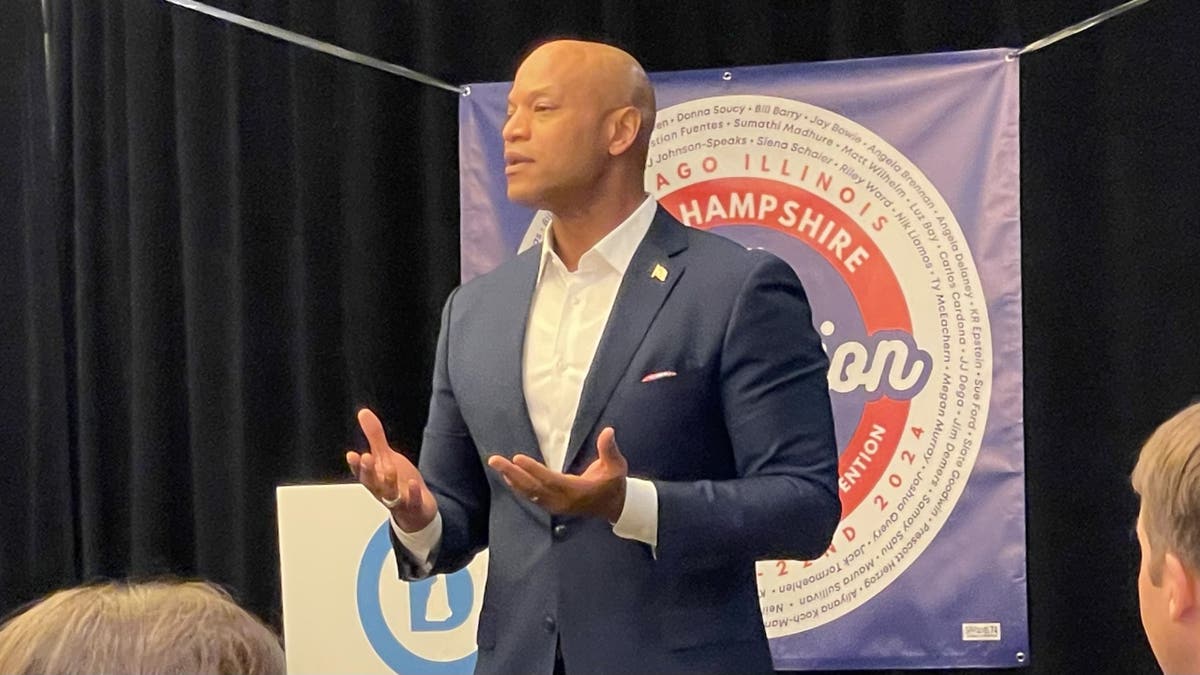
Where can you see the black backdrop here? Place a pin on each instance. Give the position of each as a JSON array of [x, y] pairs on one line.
[[214, 247]]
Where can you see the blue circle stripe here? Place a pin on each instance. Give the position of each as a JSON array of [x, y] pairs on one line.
[[370, 614]]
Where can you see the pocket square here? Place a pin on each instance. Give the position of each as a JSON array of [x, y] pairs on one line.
[[659, 375]]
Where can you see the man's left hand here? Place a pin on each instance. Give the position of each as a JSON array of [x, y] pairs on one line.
[[599, 491]]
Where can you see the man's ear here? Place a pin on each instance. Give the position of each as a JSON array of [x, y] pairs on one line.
[[1181, 587], [626, 123]]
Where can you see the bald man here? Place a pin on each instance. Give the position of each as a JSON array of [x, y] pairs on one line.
[[628, 416]]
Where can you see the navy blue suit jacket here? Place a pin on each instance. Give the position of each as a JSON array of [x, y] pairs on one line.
[[740, 446]]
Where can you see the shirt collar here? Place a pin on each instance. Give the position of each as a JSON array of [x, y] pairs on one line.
[[617, 247]]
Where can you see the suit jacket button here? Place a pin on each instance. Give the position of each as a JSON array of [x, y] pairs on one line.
[[548, 624], [559, 531]]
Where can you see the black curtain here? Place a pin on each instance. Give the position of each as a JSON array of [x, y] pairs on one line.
[[214, 247], [37, 471]]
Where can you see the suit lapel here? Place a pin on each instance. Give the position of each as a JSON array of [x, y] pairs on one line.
[[510, 325], [647, 282]]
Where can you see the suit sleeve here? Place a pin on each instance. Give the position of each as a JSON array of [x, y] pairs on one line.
[[451, 467], [775, 400]]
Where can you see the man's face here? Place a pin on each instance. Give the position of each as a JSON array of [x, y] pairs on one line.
[[553, 145]]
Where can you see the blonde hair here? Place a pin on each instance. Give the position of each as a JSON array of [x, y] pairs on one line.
[[1167, 477], [139, 628]]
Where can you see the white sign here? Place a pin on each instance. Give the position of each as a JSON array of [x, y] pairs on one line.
[[345, 610]]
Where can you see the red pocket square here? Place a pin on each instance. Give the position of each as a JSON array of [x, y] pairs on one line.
[[659, 375]]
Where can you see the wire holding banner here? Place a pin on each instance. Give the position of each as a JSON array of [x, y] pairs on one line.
[[372, 62], [1075, 29], [317, 45]]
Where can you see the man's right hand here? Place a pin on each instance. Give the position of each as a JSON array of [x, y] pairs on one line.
[[392, 478]]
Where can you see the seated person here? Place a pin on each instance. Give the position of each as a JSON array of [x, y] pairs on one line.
[[139, 627], [1167, 477]]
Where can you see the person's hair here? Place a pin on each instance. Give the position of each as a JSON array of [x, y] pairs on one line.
[[139, 628], [1167, 477]]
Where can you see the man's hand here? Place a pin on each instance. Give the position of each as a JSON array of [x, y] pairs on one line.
[[599, 491], [391, 478]]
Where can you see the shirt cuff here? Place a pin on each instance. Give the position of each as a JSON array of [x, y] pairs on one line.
[[639, 515], [421, 542]]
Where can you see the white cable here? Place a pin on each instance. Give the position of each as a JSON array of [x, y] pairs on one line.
[[318, 45], [1075, 28]]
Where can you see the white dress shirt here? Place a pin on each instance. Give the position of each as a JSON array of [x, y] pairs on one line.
[[566, 320]]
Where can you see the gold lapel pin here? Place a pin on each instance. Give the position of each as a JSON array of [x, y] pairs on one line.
[[659, 273]]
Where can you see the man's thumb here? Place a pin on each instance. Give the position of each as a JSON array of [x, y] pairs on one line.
[[606, 446], [373, 430]]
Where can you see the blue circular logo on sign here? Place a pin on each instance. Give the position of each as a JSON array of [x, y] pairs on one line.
[[460, 592]]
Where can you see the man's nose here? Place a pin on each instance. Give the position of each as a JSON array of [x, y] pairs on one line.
[[515, 127]]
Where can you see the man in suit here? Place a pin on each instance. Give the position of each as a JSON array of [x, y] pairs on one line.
[[628, 416], [1167, 478]]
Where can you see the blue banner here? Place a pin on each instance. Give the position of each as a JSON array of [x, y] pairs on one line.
[[891, 185]]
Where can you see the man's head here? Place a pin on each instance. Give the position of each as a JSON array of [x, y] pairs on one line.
[[1167, 477], [148, 627], [580, 116]]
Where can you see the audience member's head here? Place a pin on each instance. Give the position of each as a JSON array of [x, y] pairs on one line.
[[139, 628], [1167, 477]]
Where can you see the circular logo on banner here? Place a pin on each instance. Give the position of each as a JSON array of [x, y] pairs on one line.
[[898, 303], [425, 626]]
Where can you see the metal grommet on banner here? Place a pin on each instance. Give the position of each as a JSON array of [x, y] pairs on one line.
[[727, 76], [1020, 657], [466, 90]]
